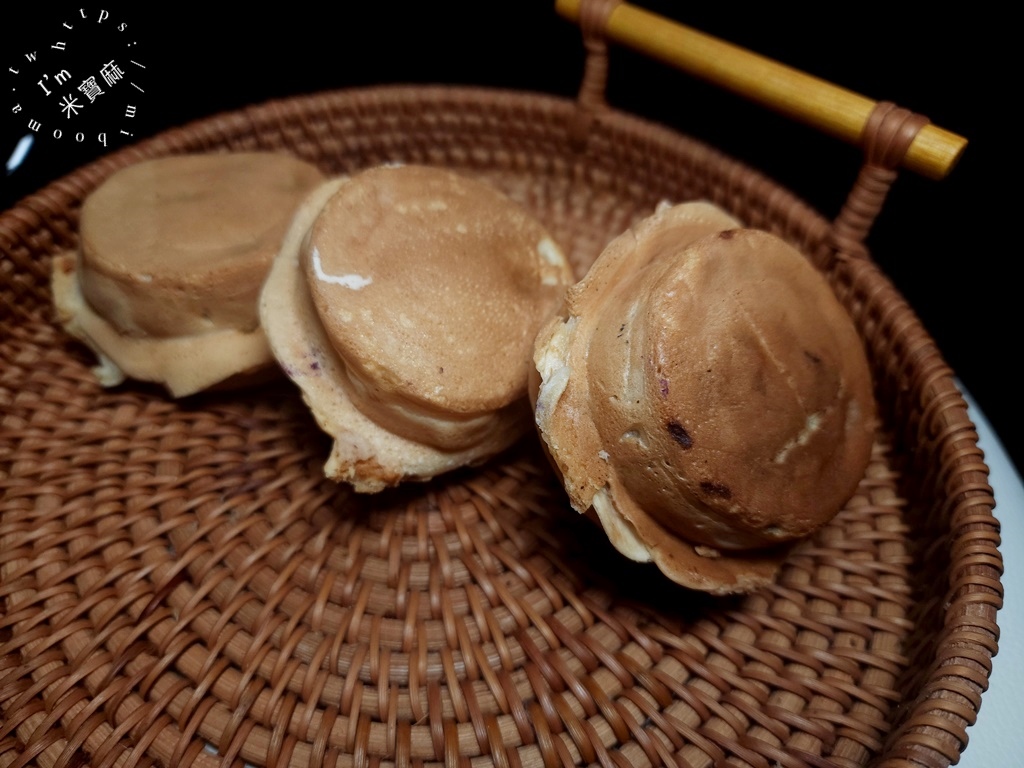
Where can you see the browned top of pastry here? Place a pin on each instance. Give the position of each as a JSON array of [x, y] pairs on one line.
[[717, 402], [431, 287], [180, 245]]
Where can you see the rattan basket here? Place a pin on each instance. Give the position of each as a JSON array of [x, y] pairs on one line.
[[180, 586]]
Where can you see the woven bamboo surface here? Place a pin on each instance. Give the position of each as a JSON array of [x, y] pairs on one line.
[[179, 586]]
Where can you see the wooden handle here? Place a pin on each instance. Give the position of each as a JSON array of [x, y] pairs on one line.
[[818, 103]]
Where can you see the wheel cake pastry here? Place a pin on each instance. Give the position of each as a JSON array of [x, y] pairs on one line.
[[165, 284], [705, 397], [404, 304]]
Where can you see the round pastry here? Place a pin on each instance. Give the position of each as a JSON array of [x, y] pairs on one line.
[[404, 304], [173, 254], [706, 397]]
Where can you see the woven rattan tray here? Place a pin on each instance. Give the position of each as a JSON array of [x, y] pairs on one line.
[[179, 586]]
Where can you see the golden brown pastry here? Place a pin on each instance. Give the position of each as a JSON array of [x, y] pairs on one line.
[[706, 397], [404, 304], [173, 254]]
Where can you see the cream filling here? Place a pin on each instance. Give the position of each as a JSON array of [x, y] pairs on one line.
[[620, 531], [552, 365], [552, 256], [352, 281]]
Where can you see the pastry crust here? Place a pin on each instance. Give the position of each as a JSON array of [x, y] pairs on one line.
[[173, 254], [184, 365], [404, 303], [706, 396]]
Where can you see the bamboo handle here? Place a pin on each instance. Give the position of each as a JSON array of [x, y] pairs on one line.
[[833, 110]]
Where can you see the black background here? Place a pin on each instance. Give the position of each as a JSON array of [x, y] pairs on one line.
[[950, 247]]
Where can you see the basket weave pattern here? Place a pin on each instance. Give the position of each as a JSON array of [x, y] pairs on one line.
[[180, 586]]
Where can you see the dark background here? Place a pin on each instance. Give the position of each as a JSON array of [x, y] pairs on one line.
[[948, 246]]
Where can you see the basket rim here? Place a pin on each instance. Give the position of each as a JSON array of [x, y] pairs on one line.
[[976, 587]]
